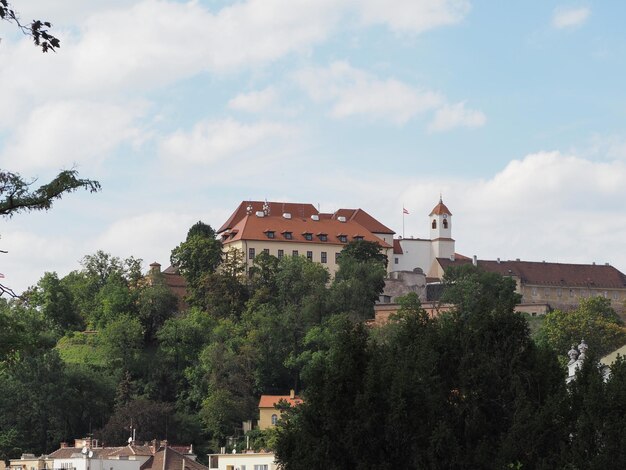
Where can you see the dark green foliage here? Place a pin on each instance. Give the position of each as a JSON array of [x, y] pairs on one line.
[[200, 254], [16, 195], [359, 280]]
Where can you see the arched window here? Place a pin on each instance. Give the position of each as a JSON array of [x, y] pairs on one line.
[[434, 223], [445, 223], [274, 420]]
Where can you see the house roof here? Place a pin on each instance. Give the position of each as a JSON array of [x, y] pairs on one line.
[[270, 401], [397, 248], [253, 227], [550, 274], [301, 211], [167, 458], [275, 208], [363, 218], [440, 209]]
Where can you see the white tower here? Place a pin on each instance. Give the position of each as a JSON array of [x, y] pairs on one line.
[[441, 231]]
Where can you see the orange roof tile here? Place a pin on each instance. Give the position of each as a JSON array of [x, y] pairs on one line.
[[270, 401], [440, 209], [275, 208], [252, 227]]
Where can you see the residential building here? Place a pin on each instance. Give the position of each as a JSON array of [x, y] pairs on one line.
[[31, 462], [290, 229], [545, 286], [244, 461], [87, 455], [268, 414]]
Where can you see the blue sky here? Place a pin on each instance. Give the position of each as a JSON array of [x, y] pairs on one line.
[[514, 111]]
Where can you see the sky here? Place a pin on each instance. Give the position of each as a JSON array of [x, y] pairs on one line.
[[513, 112]]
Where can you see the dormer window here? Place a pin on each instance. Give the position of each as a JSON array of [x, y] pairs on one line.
[[434, 224], [358, 238], [288, 235], [323, 237], [308, 236], [343, 238], [269, 233]]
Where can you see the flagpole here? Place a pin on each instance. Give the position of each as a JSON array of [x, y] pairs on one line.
[[403, 213]]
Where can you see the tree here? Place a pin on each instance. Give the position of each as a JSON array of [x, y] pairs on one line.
[[360, 279], [199, 255], [38, 30], [16, 195], [15, 192], [594, 320]]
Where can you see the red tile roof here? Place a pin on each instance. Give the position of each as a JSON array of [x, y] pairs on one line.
[[252, 227], [363, 218], [551, 274], [397, 248], [166, 458], [275, 208], [270, 401], [440, 209]]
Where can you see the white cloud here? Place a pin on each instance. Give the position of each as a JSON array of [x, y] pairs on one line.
[[60, 134], [354, 92], [544, 206], [570, 17], [214, 140], [456, 115], [412, 15], [254, 101]]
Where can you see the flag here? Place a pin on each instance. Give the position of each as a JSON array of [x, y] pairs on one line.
[[404, 211]]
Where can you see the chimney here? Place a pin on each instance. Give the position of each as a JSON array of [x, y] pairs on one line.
[[475, 260], [64, 445], [292, 393], [498, 260]]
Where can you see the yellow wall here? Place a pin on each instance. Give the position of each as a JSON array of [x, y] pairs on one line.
[[265, 417]]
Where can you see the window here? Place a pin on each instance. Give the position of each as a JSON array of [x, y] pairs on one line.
[[434, 223], [324, 258], [266, 251], [337, 257], [358, 238], [251, 253], [308, 236], [445, 223], [288, 235], [261, 467], [309, 255], [559, 292], [547, 292], [534, 291], [571, 292], [323, 237], [395, 260], [343, 238], [615, 295], [270, 234], [281, 253], [274, 419], [294, 253]]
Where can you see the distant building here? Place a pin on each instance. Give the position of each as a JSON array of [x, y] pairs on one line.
[[411, 253], [243, 461], [87, 455], [268, 414], [544, 286], [293, 229]]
